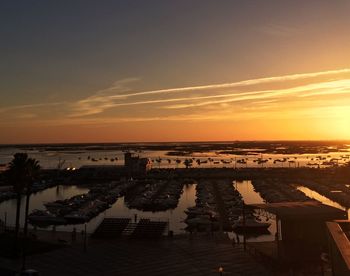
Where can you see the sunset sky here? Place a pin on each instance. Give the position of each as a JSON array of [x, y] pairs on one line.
[[125, 71]]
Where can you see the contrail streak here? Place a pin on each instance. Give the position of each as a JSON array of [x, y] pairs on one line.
[[236, 84]]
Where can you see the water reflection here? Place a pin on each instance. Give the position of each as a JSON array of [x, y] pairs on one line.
[[37, 201], [325, 200], [210, 159], [250, 196], [246, 189], [175, 217]]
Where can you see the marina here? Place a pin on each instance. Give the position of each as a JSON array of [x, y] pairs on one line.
[[192, 205], [211, 155], [60, 192], [175, 138], [136, 202], [72, 195], [80, 208]]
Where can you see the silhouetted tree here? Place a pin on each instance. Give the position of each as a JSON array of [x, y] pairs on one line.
[[33, 170], [17, 174], [21, 174], [32, 173]]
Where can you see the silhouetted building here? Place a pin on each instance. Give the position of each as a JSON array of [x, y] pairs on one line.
[[101, 171], [339, 246], [301, 230], [133, 166], [136, 166]]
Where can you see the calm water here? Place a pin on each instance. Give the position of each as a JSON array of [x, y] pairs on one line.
[[250, 196], [175, 217], [246, 189], [78, 158], [119, 209], [325, 200], [37, 201]]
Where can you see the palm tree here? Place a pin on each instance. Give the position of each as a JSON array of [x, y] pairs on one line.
[[32, 173], [17, 173], [22, 172], [33, 170]]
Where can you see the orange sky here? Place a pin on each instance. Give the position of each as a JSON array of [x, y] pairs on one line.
[[299, 107], [179, 71]]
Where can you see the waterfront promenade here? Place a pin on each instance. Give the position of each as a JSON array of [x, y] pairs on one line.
[[201, 255]]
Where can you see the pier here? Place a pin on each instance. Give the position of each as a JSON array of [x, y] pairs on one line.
[[145, 228], [223, 216]]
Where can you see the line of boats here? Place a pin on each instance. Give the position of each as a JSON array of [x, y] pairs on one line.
[[277, 190], [101, 159], [154, 195], [145, 195], [325, 161], [79, 208], [332, 189], [206, 214], [214, 200]]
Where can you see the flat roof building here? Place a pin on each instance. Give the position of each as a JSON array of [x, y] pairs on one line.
[[339, 246], [135, 165], [301, 231]]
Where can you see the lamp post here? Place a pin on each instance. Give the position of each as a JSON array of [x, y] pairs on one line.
[[85, 238], [221, 270], [5, 222], [244, 225]]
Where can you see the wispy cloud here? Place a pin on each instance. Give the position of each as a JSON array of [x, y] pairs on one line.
[[250, 98], [100, 102], [102, 99], [121, 85], [323, 88], [235, 84], [29, 106]]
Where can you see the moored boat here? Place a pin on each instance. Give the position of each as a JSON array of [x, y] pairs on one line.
[[39, 217], [76, 217], [249, 224]]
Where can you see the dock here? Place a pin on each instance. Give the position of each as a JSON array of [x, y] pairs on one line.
[[113, 228], [178, 256]]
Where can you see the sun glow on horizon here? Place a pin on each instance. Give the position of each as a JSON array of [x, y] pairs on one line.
[[174, 71], [300, 106]]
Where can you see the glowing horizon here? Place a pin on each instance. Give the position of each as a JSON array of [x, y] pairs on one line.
[[275, 77]]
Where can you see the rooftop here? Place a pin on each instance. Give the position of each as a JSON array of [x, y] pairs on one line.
[[101, 166], [339, 231], [311, 210]]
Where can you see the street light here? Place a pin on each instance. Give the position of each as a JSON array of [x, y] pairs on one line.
[[85, 237], [221, 270]]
